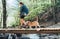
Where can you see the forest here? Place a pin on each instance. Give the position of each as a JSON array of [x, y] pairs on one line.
[[36, 8]]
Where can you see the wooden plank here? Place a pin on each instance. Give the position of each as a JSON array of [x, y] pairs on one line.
[[31, 31]]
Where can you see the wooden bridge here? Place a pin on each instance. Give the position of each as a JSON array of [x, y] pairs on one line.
[[31, 31]]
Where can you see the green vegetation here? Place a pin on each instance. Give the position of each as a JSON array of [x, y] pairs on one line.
[[36, 7]]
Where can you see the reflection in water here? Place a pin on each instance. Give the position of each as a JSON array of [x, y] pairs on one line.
[[42, 36], [30, 36]]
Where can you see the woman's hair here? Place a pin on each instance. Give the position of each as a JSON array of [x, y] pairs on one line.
[[21, 3]]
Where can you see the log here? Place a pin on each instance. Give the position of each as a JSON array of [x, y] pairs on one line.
[[31, 31]]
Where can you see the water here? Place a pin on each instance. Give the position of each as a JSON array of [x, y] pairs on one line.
[[36, 36], [31, 36], [41, 36]]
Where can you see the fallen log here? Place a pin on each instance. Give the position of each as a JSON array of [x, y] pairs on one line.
[[30, 31]]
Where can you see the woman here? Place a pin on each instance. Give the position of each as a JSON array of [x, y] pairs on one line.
[[23, 12]]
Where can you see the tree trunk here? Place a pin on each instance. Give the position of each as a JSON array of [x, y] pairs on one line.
[[4, 13]]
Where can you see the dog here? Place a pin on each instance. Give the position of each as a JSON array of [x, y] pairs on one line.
[[29, 23], [33, 23]]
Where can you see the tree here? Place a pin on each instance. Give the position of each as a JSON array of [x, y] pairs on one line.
[[4, 13]]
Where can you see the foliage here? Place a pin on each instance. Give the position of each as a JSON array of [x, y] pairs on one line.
[[38, 10], [35, 7]]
